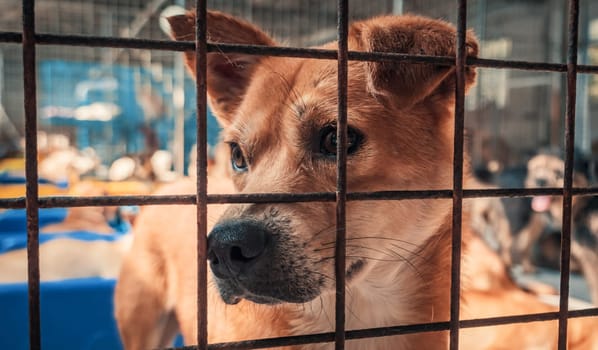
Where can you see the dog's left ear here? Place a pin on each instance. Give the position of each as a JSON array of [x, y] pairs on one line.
[[406, 84]]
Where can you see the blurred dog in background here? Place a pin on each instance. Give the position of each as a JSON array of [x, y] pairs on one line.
[[546, 170]]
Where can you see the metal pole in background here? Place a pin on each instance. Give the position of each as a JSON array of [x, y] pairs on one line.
[[397, 7], [178, 92]]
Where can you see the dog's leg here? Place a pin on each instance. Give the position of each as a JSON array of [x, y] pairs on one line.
[[144, 322], [505, 237], [588, 260], [526, 239]]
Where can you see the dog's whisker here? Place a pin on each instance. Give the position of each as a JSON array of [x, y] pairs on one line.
[[330, 323], [378, 238], [415, 253], [322, 231], [363, 257], [410, 252], [388, 252]]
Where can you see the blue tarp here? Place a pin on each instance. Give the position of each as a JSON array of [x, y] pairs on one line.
[[13, 229], [75, 314], [14, 220]]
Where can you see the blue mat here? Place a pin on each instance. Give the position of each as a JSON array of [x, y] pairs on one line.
[[75, 314], [13, 229], [14, 220]]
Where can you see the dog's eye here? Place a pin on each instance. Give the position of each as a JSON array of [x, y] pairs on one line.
[[328, 141], [237, 159]]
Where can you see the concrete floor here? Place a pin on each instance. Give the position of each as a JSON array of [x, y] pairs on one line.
[[578, 288]]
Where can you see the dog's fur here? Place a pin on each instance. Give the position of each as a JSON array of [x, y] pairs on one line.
[[546, 170], [91, 219], [490, 222], [279, 112]]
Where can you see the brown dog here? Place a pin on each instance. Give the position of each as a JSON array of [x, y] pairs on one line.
[[272, 269]]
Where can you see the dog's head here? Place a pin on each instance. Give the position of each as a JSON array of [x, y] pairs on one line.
[[279, 119], [546, 170]]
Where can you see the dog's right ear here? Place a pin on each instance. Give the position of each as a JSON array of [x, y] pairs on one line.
[[406, 84], [228, 75]]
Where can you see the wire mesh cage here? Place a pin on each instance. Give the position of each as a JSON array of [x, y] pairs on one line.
[[115, 53]]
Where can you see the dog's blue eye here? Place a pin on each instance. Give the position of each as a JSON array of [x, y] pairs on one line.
[[328, 141], [237, 159]]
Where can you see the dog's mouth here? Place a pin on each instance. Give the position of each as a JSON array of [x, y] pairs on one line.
[[233, 293], [268, 292], [261, 261], [234, 290]]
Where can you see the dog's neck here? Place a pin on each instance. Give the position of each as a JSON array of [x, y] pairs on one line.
[[411, 293]]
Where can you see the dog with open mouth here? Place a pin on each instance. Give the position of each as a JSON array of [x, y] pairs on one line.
[[272, 265], [546, 170]]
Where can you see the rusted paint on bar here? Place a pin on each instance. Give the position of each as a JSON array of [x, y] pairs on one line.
[[460, 59], [154, 44], [341, 174], [202, 166], [270, 198], [102, 41], [31, 188], [568, 180], [11, 37]]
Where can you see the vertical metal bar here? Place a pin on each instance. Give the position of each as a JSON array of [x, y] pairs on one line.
[[460, 58], [568, 181], [202, 164], [31, 190], [341, 166]]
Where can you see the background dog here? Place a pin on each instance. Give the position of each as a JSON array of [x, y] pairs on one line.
[[546, 170]]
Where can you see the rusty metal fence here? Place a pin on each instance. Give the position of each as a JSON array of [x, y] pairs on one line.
[[30, 39]]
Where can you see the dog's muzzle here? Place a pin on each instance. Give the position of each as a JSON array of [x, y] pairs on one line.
[[257, 262]]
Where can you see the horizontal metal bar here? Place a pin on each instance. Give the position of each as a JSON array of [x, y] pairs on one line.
[[586, 68], [394, 330], [12, 203], [513, 64], [71, 201], [11, 37], [102, 41], [155, 44]]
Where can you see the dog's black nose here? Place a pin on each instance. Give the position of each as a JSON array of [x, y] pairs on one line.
[[235, 246], [541, 182]]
